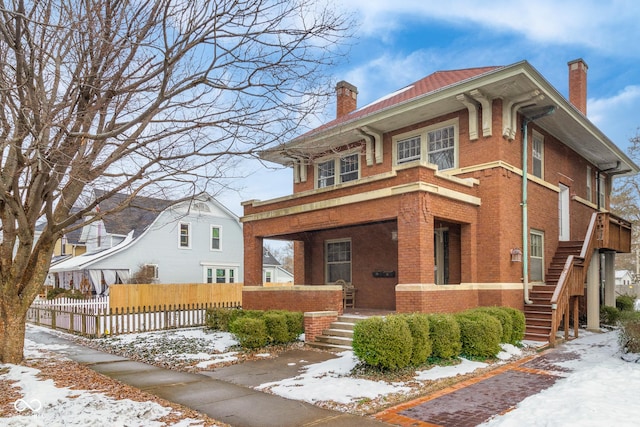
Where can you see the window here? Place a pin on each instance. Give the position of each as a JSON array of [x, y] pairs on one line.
[[348, 167], [220, 274], [536, 256], [267, 276], [589, 184], [436, 145], [338, 259], [441, 144], [602, 184], [537, 148], [408, 149], [150, 272], [185, 235], [215, 238]]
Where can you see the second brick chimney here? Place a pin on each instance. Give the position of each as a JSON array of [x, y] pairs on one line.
[[346, 98], [578, 84]]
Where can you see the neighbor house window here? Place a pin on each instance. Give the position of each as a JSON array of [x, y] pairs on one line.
[[267, 276], [348, 168], [215, 238], [537, 148], [589, 184], [185, 235], [536, 256], [436, 145], [338, 260], [150, 271], [220, 274]]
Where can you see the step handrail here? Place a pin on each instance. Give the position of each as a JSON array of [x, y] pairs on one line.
[[571, 277]]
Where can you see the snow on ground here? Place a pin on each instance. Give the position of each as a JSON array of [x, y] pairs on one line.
[[600, 390], [45, 404]]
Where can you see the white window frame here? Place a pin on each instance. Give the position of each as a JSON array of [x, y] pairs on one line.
[[422, 136], [155, 270], [328, 263], [211, 228], [268, 277], [209, 272], [338, 175], [602, 191], [180, 235], [532, 256], [589, 184], [537, 154]]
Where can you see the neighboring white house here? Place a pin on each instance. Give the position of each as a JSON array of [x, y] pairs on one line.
[[625, 283], [272, 270], [197, 241]]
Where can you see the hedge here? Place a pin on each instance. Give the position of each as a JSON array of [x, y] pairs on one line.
[[383, 343], [480, 334], [421, 344], [444, 333]]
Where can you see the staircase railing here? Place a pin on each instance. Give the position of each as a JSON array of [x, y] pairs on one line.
[[571, 281]]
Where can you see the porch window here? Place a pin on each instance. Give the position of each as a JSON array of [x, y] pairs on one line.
[[536, 256], [537, 148], [441, 143], [348, 168], [338, 260]]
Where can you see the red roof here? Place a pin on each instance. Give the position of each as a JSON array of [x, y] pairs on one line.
[[431, 83]]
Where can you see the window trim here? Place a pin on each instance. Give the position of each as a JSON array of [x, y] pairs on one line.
[[326, 258], [211, 228], [537, 137], [539, 233], [156, 271], [602, 191], [231, 273], [189, 234], [423, 134], [589, 184], [337, 174]]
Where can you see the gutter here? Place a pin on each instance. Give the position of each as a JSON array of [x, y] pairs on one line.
[[525, 210]]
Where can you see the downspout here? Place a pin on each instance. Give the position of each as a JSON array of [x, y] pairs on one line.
[[525, 209]]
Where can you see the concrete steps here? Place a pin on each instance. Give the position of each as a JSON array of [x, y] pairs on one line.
[[339, 335]]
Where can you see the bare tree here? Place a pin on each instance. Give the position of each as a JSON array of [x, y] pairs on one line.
[[139, 97], [625, 202]]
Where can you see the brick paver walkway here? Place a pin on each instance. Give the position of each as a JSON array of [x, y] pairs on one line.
[[476, 400]]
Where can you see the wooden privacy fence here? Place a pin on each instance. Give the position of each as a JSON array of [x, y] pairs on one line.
[[157, 294], [97, 322]]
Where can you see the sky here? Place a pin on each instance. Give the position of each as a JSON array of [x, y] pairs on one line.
[[399, 42]]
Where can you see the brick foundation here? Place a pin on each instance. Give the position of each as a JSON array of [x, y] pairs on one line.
[[454, 298], [316, 322], [293, 298]]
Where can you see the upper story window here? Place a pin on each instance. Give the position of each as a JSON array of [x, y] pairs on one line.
[[589, 184], [215, 238], [436, 144], [602, 184], [348, 167], [184, 238], [537, 148]]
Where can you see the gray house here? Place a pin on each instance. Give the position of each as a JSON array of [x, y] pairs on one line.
[[159, 241]]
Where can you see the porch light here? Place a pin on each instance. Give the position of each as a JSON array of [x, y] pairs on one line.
[[516, 255]]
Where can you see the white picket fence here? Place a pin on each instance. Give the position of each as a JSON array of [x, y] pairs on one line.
[[94, 318]]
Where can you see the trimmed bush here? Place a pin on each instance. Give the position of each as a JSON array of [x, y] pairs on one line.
[[295, 324], [220, 318], [519, 324], [609, 315], [625, 303], [444, 334], [479, 333], [251, 333], [505, 319], [383, 343], [276, 324], [419, 327]]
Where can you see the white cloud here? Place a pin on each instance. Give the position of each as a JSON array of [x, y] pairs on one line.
[[617, 116]]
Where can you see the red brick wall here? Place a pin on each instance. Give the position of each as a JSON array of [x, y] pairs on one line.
[[293, 298], [452, 300], [316, 322]]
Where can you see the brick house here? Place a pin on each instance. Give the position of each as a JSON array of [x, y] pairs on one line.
[[420, 199]]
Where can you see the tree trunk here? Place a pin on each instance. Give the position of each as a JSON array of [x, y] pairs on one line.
[[12, 330]]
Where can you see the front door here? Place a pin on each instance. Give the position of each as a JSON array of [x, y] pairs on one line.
[[563, 214], [441, 255]]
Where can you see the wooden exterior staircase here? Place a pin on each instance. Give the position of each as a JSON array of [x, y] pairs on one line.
[[554, 302]]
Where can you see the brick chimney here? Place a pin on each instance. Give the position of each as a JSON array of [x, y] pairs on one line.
[[578, 84], [346, 98]]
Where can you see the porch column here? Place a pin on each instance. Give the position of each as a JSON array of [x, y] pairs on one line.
[[299, 264], [469, 243], [610, 279], [593, 293], [253, 253], [415, 241]]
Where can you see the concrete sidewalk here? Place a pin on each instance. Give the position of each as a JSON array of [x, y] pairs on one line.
[[228, 399]]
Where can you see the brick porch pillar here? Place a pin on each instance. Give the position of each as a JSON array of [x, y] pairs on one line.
[[415, 240], [253, 253]]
